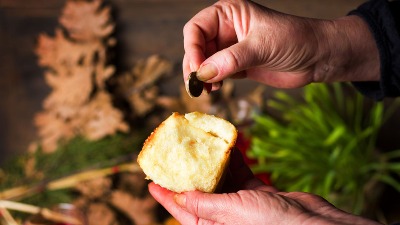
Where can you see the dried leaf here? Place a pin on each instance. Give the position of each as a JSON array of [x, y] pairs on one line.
[[86, 20], [102, 75], [148, 71], [52, 130], [139, 86], [77, 59], [72, 89], [99, 118], [59, 52], [46, 50]]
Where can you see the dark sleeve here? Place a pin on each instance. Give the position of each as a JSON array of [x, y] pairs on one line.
[[383, 18]]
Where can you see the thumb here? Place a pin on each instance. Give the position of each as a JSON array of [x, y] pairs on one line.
[[227, 62], [211, 207]]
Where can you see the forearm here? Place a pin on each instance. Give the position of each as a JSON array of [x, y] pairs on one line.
[[347, 51]]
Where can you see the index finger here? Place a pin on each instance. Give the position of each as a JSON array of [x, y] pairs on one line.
[[202, 28]]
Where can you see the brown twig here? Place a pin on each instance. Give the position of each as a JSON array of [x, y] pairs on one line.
[[67, 182], [7, 217], [46, 213]]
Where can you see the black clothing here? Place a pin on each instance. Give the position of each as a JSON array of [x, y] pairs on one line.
[[383, 18]]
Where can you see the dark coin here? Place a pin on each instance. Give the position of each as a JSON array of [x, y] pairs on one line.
[[195, 85]]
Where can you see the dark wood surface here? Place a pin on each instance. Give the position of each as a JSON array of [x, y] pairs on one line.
[[144, 27]]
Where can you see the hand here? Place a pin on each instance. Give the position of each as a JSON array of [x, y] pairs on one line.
[[256, 203], [243, 39]]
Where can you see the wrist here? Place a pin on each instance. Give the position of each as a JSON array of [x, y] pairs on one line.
[[347, 51]]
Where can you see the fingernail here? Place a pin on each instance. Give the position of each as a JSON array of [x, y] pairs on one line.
[[180, 199], [207, 72]]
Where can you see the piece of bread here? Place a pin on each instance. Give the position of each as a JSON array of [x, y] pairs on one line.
[[188, 152]]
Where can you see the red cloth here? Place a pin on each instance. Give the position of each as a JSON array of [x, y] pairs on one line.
[[243, 143]]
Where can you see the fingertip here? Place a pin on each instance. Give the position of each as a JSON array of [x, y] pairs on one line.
[[158, 192], [153, 188]]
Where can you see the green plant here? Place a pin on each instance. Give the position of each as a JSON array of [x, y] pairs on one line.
[[78, 155], [325, 143]]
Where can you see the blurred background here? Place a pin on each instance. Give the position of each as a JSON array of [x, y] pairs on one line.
[[146, 40], [143, 28]]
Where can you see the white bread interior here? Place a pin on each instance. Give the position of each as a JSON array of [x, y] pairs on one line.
[[188, 152]]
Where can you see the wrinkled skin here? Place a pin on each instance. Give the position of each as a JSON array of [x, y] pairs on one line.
[[246, 200], [241, 39]]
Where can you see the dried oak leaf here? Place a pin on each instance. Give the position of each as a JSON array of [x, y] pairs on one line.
[[61, 52], [140, 210], [86, 20], [52, 130], [71, 90], [99, 118], [46, 50]]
